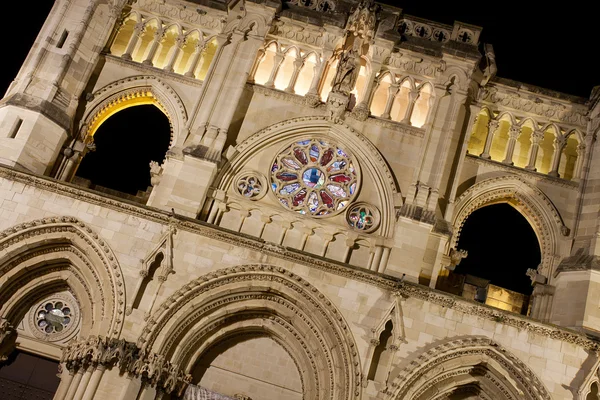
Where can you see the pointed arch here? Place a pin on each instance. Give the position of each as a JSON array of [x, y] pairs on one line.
[[458, 363], [370, 160], [59, 253], [260, 299], [530, 201]]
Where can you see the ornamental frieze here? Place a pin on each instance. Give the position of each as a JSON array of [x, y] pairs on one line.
[[419, 66], [298, 33], [181, 12]]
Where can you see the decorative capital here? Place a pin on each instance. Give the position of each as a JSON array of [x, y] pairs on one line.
[[493, 125]]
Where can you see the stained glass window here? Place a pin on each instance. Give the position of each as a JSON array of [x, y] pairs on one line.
[[363, 217], [314, 177], [53, 317]]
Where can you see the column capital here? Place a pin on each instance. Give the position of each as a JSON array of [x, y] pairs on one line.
[[514, 132]]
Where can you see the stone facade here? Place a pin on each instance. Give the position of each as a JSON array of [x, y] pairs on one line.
[[324, 157]]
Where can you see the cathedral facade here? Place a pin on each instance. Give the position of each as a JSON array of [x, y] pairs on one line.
[[299, 237]]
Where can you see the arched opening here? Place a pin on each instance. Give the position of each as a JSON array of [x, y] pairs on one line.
[[401, 102], [28, 376], [381, 355], [127, 139], [250, 364], [381, 95], [479, 133], [501, 246]]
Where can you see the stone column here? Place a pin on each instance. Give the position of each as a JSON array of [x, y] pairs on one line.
[[277, 60], [513, 135], [365, 97], [536, 138], [158, 35], [559, 143], [385, 257], [137, 31], [412, 98], [392, 91], [492, 127], [318, 75], [179, 43], [198, 49], [74, 385], [579, 163], [65, 382], [92, 386], [85, 379], [376, 258], [298, 64]]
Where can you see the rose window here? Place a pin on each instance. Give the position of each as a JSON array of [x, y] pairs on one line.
[[314, 177], [53, 317]]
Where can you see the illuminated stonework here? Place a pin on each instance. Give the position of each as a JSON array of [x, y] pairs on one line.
[[314, 177]]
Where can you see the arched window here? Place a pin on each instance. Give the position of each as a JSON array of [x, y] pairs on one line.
[[543, 163], [421, 107], [168, 45], [286, 69], [523, 145], [124, 35], [479, 133], [381, 95], [147, 37], [401, 101], [147, 279], [327, 82], [381, 355], [593, 394], [361, 83], [125, 144], [186, 54], [306, 75], [266, 64], [568, 158], [208, 54], [500, 140]]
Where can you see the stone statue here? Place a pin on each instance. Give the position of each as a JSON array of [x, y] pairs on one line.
[[347, 72]]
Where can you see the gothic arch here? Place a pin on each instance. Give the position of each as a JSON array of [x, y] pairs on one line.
[[134, 90], [259, 299], [465, 363], [530, 201], [370, 160], [52, 254]]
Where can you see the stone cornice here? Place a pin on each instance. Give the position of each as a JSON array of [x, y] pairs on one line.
[[385, 282]]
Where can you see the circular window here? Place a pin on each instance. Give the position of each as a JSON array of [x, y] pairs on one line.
[[363, 217], [314, 177], [55, 318], [250, 185]]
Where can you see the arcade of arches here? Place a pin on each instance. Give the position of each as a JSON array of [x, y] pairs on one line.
[[259, 200]]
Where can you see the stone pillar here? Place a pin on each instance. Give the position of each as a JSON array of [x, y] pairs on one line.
[[579, 164], [376, 258], [319, 70], [559, 143], [536, 138], [393, 89], [158, 35], [492, 127], [298, 64], [277, 60], [513, 135], [385, 257], [83, 384], [412, 98], [179, 43], [74, 385], [65, 382], [198, 49], [133, 40]]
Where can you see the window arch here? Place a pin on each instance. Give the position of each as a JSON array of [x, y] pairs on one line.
[[523, 144], [151, 32], [266, 64], [380, 96], [568, 157], [307, 74], [421, 106], [543, 163], [124, 35], [285, 71], [479, 133], [186, 54], [168, 45]]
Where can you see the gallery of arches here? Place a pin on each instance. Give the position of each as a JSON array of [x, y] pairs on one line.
[[290, 199]]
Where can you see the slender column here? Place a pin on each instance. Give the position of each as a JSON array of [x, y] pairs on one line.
[[277, 60], [412, 98], [578, 165], [198, 49], [65, 382], [536, 138], [137, 31], [298, 63], [347, 252], [158, 35], [131, 389], [319, 70], [179, 43], [85, 379], [261, 56], [367, 94], [74, 385], [492, 127], [384, 259], [92, 386], [376, 258], [559, 143], [285, 226], [513, 135], [326, 240], [213, 212], [392, 90]]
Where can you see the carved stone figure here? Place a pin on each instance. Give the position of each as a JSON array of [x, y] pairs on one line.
[[347, 72]]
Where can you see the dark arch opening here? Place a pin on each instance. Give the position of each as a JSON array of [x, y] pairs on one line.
[[125, 145], [501, 246]]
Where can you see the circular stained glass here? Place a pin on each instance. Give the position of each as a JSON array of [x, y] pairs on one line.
[[53, 317], [314, 177], [363, 217]]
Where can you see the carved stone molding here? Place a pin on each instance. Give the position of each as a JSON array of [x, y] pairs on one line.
[[128, 358], [7, 336], [301, 33], [179, 11]]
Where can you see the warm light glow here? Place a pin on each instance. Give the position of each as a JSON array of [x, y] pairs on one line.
[[123, 36], [361, 82], [401, 101], [286, 70], [505, 299], [306, 75], [186, 54], [479, 134], [167, 46], [500, 141], [131, 100], [523, 147], [328, 81], [206, 59], [263, 72], [568, 158], [144, 43], [380, 96], [421, 108], [543, 163]]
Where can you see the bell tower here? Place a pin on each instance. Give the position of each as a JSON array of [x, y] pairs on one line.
[[39, 106]]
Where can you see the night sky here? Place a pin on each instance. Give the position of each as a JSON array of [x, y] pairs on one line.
[[553, 47]]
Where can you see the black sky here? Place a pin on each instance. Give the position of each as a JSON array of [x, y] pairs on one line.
[[542, 44]]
